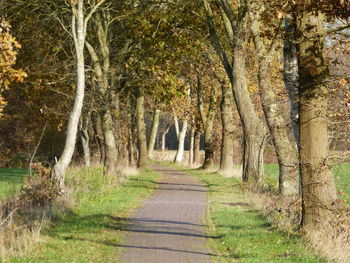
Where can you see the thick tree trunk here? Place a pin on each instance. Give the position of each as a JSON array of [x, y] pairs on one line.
[[208, 124], [181, 146], [318, 185], [253, 129], [154, 130], [59, 170], [286, 150], [141, 128], [196, 148], [110, 143], [227, 144]]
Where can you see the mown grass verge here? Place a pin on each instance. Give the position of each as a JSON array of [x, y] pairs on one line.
[[10, 181], [93, 229], [246, 236]]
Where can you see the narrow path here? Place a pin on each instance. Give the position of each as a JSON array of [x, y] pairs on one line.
[[169, 227]]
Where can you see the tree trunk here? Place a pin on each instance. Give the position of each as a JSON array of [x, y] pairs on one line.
[[110, 143], [290, 73], [208, 124], [286, 150], [85, 139], [227, 144], [253, 129], [97, 126], [154, 130], [191, 154], [181, 146], [196, 148], [164, 138], [141, 128], [59, 170], [318, 185]]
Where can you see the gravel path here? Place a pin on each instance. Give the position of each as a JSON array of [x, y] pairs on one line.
[[169, 227]]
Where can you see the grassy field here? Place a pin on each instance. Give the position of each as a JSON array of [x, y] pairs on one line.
[[246, 236], [10, 181], [92, 232], [341, 173]]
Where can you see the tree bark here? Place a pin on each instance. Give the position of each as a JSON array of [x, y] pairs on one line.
[[141, 128], [227, 144], [208, 124], [190, 154], [253, 129], [101, 66], [164, 138], [154, 130], [78, 30], [196, 148], [85, 138], [181, 146], [285, 149], [97, 126], [318, 184]]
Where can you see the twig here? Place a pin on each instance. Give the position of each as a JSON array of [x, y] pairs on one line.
[[36, 149]]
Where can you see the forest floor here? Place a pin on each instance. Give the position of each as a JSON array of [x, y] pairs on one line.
[[10, 181]]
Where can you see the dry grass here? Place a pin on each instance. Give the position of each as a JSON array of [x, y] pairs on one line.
[[231, 173]]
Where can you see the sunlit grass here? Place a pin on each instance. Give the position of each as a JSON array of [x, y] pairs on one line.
[[245, 235], [93, 230], [10, 181]]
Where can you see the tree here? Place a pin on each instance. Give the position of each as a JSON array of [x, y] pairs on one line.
[[234, 19], [79, 28]]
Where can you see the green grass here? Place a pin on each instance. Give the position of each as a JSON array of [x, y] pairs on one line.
[[92, 232], [341, 173], [245, 236], [10, 181]]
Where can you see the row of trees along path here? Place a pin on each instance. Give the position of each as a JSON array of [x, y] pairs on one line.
[[180, 57]]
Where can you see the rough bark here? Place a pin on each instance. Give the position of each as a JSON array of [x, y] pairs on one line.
[[253, 129], [285, 149], [196, 148], [208, 124], [78, 30], [154, 130], [181, 146], [101, 65], [141, 128], [227, 143], [318, 185]]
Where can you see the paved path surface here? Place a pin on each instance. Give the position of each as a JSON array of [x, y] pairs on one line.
[[169, 227]]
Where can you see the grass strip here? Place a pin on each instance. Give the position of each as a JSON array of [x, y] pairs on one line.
[[245, 235], [92, 232]]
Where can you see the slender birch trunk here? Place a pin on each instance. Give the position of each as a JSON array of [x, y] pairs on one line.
[[85, 138], [164, 138], [78, 31], [154, 130], [181, 146], [191, 151], [196, 147]]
